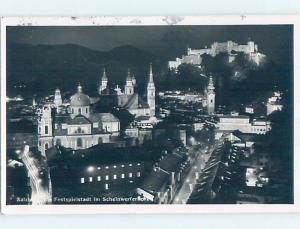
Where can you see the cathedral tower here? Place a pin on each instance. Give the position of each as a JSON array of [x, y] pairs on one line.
[[103, 83], [57, 98], [45, 129], [210, 96], [129, 87], [151, 93]]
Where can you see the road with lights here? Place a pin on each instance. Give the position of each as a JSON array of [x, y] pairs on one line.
[[203, 162], [40, 186]]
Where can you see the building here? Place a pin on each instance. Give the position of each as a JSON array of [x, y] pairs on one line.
[[243, 123], [274, 103], [128, 98], [210, 96], [165, 178], [79, 128], [99, 169], [231, 48]]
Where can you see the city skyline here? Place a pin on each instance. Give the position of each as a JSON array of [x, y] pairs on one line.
[[146, 119]]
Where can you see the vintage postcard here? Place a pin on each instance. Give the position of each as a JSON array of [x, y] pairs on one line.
[[149, 114]]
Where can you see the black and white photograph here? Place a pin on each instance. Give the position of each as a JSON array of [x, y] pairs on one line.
[[147, 114]]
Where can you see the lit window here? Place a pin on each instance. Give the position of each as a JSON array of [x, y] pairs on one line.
[[130, 164], [98, 168], [123, 176], [115, 176], [138, 174], [106, 167], [115, 166], [106, 186], [79, 142], [106, 177], [122, 166], [130, 174], [138, 164], [82, 180], [90, 179], [98, 178]]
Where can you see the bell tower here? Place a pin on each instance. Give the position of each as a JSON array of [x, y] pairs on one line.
[[129, 87], [45, 129], [151, 92], [57, 98], [210, 96], [103, 83]]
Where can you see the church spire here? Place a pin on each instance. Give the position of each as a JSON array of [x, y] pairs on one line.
[[150, 74], [128, 75], [104, 77], [211, 83]]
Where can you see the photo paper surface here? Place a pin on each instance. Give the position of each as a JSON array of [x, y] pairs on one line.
[[149, 114]]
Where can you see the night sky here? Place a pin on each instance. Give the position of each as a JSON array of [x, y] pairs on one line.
[[167, 41]]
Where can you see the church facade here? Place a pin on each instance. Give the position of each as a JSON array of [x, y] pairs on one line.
[[128, 98], [78, 128]]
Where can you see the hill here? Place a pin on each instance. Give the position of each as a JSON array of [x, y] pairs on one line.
[[42, 68]]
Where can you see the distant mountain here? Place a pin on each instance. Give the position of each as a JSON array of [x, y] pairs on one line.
[[42, 68]]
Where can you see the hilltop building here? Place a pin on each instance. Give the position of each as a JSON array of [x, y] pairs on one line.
[[193, 56]]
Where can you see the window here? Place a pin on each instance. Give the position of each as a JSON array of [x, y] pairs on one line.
[[130, 174], [115, 166], [46, 146], [79, 142], [106, 177], [86, 110], [98, 168], [79, 110], [122, 166], [82, 180], [138, 174], [106, 186], [39, 130], [115, 177], [90, 179], [122, 175], [98, 178], [46, 130], [72, 110], [100, 140], [130, 164]]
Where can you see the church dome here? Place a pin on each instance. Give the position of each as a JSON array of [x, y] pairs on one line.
[[80, 99]]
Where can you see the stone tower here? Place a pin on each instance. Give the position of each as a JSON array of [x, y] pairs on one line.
[[103, 83], [151, 93], [129, 87], [57, 98], [45, 129], [210, 96]]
